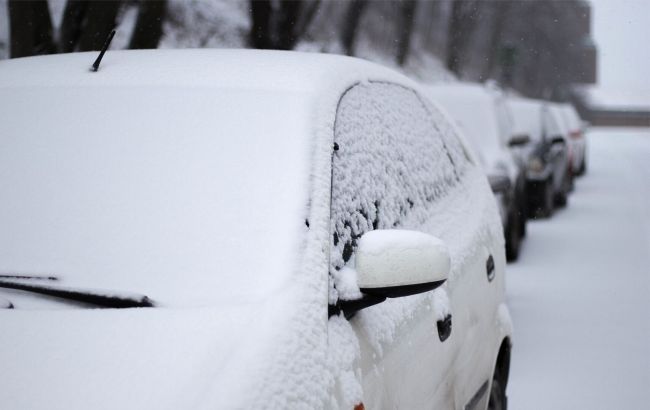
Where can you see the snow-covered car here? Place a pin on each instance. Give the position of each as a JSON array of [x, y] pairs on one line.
[[484, 118], [577, 138], [308, 231], [546, 156], [557, 126]]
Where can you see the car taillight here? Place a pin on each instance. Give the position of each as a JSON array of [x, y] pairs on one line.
[[576, 134]]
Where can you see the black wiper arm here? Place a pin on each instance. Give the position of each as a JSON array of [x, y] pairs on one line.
[[109, 300]]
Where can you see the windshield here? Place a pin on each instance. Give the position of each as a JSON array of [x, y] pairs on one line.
[[186, 195]]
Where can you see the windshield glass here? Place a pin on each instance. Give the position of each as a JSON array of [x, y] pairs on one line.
[[186, 195]]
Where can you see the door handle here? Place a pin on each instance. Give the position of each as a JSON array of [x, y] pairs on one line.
[[489, 267], [444, 328]]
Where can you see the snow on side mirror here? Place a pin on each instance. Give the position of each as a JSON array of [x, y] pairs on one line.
[[393, 263]]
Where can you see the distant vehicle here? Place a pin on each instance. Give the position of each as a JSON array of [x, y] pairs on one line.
[[546, 156], [577, 138], [484, 118], [557, 126], [309, 231]]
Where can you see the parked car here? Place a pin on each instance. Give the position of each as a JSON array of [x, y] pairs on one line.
[[546, 157], [309, 232], [577, 138], [557, 126], [484, 118]]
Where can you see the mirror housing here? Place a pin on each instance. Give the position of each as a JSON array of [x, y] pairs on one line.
[[557, 139], [392, 263], [395, 263], [519, 140], [499, 183]]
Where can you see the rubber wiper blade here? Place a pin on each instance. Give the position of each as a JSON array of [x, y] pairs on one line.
[[109, 299], [30, 277]]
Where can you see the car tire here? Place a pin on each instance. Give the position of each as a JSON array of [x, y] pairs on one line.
[[548, 205], [513, 237], [583, 167], [498, 399]]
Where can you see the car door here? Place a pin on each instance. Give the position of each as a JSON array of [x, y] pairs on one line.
[[396, 164]]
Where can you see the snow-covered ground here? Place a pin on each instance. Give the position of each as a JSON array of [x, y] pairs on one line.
[[580, 293]]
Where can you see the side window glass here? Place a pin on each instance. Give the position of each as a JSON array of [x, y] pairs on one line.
[[393, 157]]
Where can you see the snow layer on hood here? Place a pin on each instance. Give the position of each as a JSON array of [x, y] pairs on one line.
[[168, 191]]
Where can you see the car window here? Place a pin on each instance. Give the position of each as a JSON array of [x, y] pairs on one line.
[[394, 156]]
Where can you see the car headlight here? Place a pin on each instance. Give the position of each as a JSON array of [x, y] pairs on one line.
[[535, 165]]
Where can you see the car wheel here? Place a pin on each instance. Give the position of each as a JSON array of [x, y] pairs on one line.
[[498, 399], [513, 237], [547, 206], [583, 167]]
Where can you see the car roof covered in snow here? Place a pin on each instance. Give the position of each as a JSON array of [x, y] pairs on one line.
[[473, 107], [249, 69], [527, 117], [188, 142]]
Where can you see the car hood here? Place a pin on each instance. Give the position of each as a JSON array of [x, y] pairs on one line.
[[135, 358]]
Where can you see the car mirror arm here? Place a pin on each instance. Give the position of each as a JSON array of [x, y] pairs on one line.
[[372, 297], [351, 307]]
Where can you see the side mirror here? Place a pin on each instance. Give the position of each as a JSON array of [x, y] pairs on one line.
[[518, 140], [557, 139], [392, 263], [499, 183]]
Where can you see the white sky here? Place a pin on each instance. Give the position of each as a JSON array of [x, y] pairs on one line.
[[621, 29]]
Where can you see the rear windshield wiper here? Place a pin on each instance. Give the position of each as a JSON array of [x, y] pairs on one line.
[[102, 299]]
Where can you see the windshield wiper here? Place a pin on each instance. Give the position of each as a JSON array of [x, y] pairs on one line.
[[109, 299], [30, 277]]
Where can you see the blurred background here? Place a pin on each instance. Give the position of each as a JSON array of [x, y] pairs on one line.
[[587, 53]]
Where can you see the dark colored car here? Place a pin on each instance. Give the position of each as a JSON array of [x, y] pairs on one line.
[[482, 114], [547, 154]]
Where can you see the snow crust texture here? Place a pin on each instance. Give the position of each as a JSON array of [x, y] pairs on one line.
[[387, 143]]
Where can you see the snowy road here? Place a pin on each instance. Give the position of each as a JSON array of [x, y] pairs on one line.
[[580, 294]]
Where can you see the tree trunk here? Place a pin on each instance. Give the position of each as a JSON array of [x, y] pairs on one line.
[[351, 25], [461, 26], [30, 28], [286, 27], [149, 25], [260, 34], [500, 11], [405, 30], [71, 25], [99, 21]]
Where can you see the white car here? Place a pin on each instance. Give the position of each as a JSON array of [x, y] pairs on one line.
[[577, 138], [484, 118], [288, 217]]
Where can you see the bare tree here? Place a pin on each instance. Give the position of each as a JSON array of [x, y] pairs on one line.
[[499, 19], [280, 25], [461, 26], [351, 25], [405, 27], [261, 34], [149, 25], [30, 28]]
